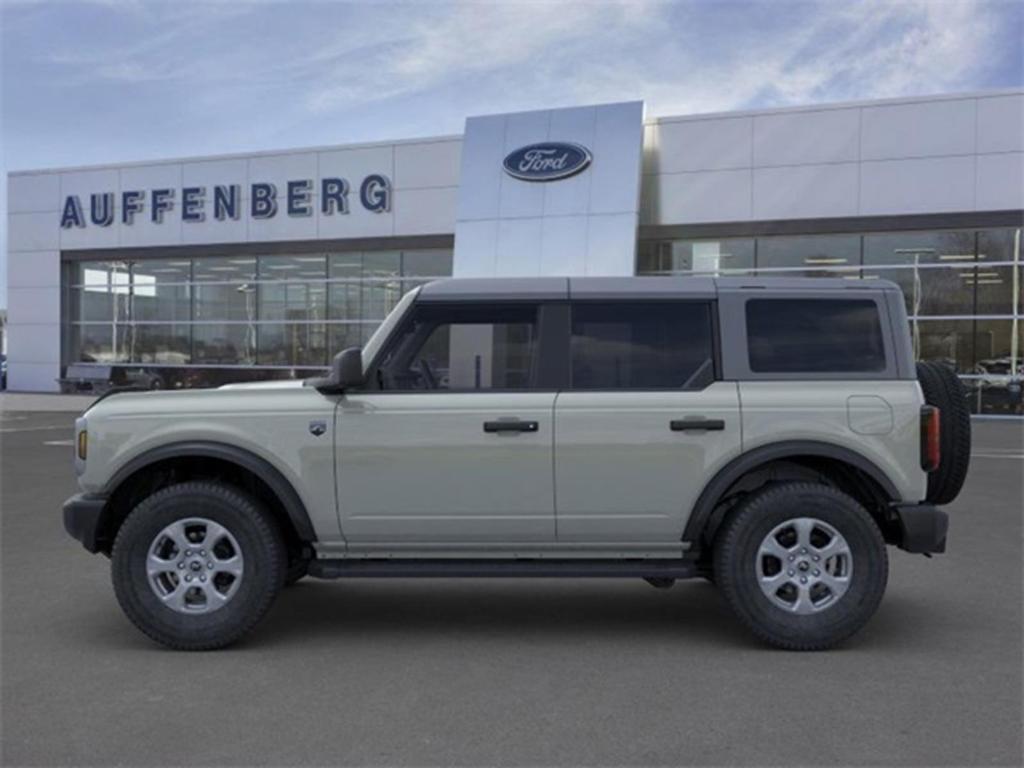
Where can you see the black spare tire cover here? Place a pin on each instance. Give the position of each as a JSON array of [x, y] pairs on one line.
[[943, 389]]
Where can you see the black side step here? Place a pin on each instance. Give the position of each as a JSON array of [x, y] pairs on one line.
[[502, 568]]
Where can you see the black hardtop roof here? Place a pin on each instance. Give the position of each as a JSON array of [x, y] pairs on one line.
[[554, 288]]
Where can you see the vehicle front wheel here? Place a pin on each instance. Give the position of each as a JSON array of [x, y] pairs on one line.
[[803, 565], [196, 565]]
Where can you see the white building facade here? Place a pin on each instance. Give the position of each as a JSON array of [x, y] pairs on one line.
[[200, 271]]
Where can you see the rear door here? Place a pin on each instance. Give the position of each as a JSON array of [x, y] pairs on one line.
[[644, 422]]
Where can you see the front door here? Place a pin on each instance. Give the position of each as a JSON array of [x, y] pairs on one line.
[[644, 423], [452, 442]]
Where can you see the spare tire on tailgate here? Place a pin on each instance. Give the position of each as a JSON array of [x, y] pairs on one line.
[[943, 389]]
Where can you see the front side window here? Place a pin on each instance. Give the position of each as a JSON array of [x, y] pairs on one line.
[[642, 345], [814, 336], [462, 348]]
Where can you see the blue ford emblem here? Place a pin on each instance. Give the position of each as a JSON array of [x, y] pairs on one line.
[[547, 162]]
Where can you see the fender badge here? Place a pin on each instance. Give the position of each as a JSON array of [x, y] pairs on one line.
[[317, 427]]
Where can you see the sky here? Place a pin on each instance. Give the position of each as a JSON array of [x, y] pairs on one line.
[[101, 81]]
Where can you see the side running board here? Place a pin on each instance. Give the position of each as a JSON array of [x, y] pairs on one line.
[[498, 568]]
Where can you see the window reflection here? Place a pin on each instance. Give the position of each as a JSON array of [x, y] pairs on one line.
[[224, 344], [700, 256], [820, 255]]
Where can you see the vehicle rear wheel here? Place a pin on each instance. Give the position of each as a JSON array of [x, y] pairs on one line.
[[803, 565], [943, 389], [195, 566]]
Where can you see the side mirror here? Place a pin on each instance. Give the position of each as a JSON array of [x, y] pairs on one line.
[[346, 372]]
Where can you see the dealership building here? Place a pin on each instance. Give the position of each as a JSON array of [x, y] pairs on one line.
[[205, 270]]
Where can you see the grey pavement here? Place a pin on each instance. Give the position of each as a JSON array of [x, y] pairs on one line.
[[20, 402], [509, 672]]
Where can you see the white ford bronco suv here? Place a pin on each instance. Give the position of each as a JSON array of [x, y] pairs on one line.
[[769, 435]]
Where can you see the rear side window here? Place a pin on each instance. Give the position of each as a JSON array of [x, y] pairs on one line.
[[642, 345], [814, 336]]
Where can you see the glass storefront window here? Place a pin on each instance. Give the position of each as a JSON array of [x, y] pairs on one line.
[[931, 290], [294, 344], [381, 289], [164, 344], [953, 247], [819, 255], [341, 336], [345, 288], [161, 291], [1000, 288], [99, 343], [664, 257], [945, 341], [291, 311], [225, 288], [233, 301], [106, 276], [224, 269], [292, 301], [96, 305], [223, 344]]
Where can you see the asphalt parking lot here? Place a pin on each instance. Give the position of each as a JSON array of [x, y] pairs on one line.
[[508, 672]]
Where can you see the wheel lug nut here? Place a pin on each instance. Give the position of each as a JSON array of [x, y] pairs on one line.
[[791, 558], [791, 572], [202, 578], [817, 572], [803, 579], [817, 558], [181, 565], [803, 551], [202, 553], [188, 553], [210, 566], [188, 578]]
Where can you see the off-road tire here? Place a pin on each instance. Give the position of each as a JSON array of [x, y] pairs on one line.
[[943, 389], [736, 553], [262, 548]]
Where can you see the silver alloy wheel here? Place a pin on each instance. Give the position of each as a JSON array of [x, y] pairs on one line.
[[804, 565], [194, 565]]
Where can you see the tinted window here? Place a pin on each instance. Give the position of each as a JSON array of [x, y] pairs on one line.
[[814, 336], [462, 347], [642, 345]]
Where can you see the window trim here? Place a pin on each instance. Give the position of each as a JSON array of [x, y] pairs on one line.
[[711, 305]]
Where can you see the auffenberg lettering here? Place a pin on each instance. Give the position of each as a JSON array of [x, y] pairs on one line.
[[297, 198]]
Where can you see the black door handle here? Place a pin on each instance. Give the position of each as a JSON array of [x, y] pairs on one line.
[[511, 425], [694, 425]]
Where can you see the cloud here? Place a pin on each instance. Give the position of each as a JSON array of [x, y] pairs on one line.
[[804, 52], [463, 40]]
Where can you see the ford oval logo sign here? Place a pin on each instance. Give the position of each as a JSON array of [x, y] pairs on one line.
[[547, 162]]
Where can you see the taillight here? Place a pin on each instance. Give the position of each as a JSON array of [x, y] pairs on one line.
[[931, 452]]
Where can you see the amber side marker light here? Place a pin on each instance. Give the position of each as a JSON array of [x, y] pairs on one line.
[[931, 451], [83, 444]]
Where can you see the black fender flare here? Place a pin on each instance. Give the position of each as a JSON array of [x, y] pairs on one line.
[[744, 463], [267, 472]]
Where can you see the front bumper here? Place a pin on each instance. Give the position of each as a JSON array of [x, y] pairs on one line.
[[82, 515], [923, 528]]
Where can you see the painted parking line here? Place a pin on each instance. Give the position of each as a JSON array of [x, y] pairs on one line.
[[1015, 456], [67, 443], [35, 429]]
